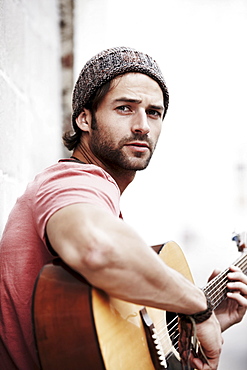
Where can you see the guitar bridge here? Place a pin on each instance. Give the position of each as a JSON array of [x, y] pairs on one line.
[[155, 347]]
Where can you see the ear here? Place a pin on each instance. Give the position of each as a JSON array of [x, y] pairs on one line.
[[84, 120]]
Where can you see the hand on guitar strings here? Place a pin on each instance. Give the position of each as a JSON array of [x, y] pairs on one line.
[[200, 344], [232, 310]]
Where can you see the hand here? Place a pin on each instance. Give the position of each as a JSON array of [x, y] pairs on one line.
[[209, 336], [232, 310]]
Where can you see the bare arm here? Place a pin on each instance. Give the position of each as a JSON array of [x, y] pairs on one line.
[[113, 257]]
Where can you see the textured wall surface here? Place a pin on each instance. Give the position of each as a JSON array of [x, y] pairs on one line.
[[30, 98]]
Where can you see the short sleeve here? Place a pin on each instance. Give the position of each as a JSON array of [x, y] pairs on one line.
[[66, 184]]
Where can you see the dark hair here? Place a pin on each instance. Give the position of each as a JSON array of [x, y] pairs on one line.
[[72, 138]]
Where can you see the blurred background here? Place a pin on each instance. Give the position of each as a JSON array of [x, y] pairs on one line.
[[195, 189]]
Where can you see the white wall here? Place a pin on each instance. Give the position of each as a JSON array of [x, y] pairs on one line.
[[30, 103], [195, 190]]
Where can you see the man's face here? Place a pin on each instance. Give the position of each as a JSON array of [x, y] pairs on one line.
[[127, 124]]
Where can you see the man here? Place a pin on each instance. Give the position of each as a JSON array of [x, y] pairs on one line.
[[72, 210]]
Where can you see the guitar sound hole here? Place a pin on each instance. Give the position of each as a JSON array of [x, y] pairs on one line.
[[172, 322]]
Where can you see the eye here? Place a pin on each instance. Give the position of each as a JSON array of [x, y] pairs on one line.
[[154, 113], [123, 108]]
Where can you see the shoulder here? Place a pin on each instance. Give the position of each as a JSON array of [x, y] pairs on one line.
[[66, 183], [72, 170]]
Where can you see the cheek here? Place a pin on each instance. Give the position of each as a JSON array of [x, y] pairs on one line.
[[155, 134], [110, 135], [116, 130], [155, 131]]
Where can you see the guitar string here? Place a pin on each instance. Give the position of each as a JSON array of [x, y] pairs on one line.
[[220, 280], [172, 339], [171, 328], [165, 340], [216, 294], [216, 289]]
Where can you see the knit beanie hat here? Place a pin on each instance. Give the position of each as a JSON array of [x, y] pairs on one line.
[[108, 64]]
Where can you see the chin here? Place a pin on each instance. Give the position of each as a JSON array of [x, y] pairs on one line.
[[137, 166]]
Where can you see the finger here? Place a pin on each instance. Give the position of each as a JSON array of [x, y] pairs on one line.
[[237, 272], [238, 287], [238, 277], [237, 284], [197, 363], [234, 268], [239, 298]]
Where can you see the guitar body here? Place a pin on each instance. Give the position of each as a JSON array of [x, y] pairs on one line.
[[80, 327]]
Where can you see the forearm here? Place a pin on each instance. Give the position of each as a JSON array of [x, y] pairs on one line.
[[146, 280], [115, 259]]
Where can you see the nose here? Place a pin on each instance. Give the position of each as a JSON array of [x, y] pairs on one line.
[[140, 123]]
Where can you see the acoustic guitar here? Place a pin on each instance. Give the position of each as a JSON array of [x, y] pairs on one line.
[[79, 327]]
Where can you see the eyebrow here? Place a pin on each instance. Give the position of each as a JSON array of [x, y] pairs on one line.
[[138, 101], [128, 100]]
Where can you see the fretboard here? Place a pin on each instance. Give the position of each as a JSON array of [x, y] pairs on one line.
[[216, 289]]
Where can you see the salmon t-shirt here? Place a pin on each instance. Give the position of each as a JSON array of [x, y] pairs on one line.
[[23, 248]]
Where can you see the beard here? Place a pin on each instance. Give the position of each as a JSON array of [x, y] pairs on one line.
[[112, 154]]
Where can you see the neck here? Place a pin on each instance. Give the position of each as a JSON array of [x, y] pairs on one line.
[[122, 177]]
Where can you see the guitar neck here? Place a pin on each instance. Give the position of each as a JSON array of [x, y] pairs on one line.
[[216, 289]]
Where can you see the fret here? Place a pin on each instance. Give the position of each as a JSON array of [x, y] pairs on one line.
[[216, 289]]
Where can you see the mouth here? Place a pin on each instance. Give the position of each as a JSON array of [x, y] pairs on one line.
[[138, 146]]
